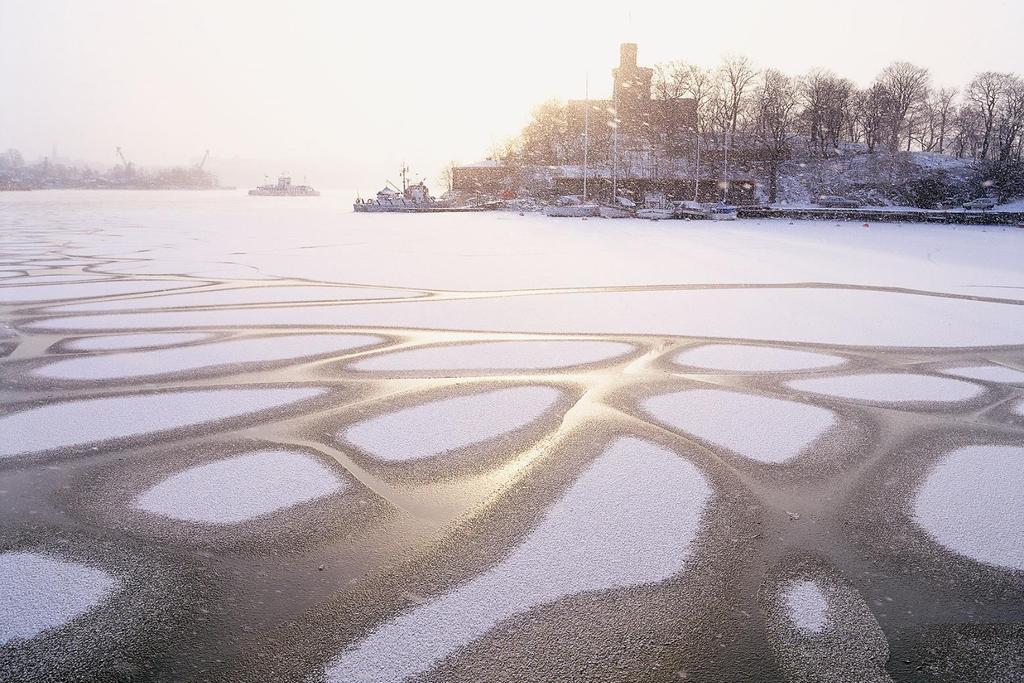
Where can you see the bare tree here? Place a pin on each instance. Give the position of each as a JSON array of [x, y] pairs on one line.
[[448, 175], [942, 108], [907, 87], [825, 98], [984, 93], [872, 107], [774, 118], [736, 76], [670, 81], [1011, 118]]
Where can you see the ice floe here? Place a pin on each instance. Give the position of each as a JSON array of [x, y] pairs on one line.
[[248, 295], [38, 293], [972, 503], [989, 373], [827, 316], [436, 427], [162, 361], [241, 488], [890, 387], [638, 507], [806, 605], [40, 592], [821, 630], [758, 427], [745, 358], [73, 423], [503, 355], [116, 342]]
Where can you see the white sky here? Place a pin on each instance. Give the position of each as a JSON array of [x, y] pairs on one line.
[[359, 86]]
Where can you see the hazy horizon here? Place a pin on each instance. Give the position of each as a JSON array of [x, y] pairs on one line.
[[346, 93]]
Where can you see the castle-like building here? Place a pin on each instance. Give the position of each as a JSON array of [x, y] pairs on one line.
[[640, 118], [644, 142]]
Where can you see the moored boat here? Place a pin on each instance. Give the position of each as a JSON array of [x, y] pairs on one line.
[[722, 212], [284, 188]]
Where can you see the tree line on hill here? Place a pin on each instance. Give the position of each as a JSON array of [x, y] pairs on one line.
[[766, 118]]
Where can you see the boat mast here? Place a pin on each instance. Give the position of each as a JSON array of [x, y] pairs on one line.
[[615, 152], [586, 132], [696, 175], [725, 178], [405, 171]]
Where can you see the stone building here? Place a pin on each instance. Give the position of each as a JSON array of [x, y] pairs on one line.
[[646, 142], [639, 118]]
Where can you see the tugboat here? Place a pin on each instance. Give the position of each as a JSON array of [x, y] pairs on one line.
[[411, 198], [284, 188]]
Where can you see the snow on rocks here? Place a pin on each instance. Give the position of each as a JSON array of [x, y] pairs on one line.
[[241, 488], [989, 373], [972, 503], [117, 342], [890, 387], [85, 421], [40, 592], [638, 506], [429, 429], [163, 361], [244, 296], [746, 358], [820, 315], [806, 606], [37, 293], [501, 355], [765, 429]]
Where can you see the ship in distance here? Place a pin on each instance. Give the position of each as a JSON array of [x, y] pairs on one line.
[[284, 188]]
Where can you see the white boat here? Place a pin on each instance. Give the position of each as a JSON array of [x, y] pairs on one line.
[[655, 214], [284, 188], [722, 212], [411, 198], [614, 212], [573, 211]]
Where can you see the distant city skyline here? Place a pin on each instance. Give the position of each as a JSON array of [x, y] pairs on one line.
[[352, 92]]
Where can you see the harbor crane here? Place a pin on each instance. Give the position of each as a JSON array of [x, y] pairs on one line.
[[127, 164], [206, 155]]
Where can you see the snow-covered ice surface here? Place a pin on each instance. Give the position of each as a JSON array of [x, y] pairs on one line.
[[765, 429], [638, 507], [240, 488], [163, 361], [117, 342], [989, 373], [806, 605], [745, 358], [436, 427], [821, 629], [239, 297], [890, 387], [823, 316], [519, 486], [73, 423], [40, 592], [35, 294], [506, 355], [972, 503]]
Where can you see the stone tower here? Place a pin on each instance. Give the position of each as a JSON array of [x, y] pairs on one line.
[[631, 89]]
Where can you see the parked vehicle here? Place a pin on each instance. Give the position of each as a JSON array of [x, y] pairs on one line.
[[831, 201], [981, 203]]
